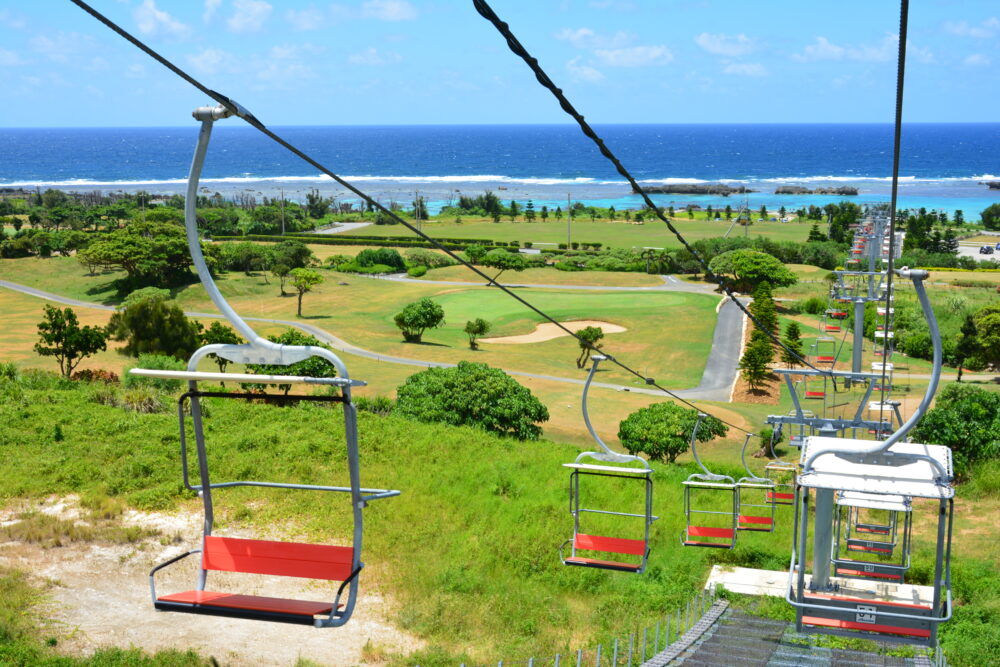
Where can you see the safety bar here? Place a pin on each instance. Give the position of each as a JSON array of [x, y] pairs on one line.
[[152, 573], [641, 516], [376, 494]]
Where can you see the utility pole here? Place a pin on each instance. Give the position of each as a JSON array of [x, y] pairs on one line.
[[569, 223]]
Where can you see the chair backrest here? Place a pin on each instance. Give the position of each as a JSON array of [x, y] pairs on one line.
[[616, 545], [286, 559]]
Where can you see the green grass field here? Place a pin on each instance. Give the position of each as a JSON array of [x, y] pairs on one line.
[[467, 553]]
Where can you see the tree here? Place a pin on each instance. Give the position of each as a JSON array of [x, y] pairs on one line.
[[959, 217], [151, 323], [316, 367], [967, 419], [762, 307], [990, 217], [316, 204], [987, 321], [417, 317], [545, 213], [662, 431], [763, 212], [529, 211], [815, 234], [514, 210], [793, 342], [499, 258], [475, 253], [753, 363], [558, 213], [61, 336], [476, 328], [729, 212], [588, 338], [217, 334], [749, 268], [968, 346], [293, 254], [472, 394], [303, 280], [280, 271]]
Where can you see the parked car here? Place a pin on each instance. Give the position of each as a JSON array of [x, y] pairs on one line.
[[986, 250]]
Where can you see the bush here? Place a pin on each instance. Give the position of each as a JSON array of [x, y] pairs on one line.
[[967, 419], [662, 431], [97, 375], [416, 271], [472, 394], [381, 256], [417, 317], [156, 362], [377, 405], [814, 305]]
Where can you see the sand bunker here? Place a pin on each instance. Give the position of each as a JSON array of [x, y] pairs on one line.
[[548, 331]]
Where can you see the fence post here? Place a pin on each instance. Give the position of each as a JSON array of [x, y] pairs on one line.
[[579, 657], [531, 662], [614, 654], [598, 664], [677, 631], [631, 648], [656, 642], [557, 660], [687, 616], [644, 644]]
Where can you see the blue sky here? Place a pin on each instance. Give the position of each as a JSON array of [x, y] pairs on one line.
[[350, 62]]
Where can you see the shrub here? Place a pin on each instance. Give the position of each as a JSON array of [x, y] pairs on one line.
[[417, 317], [416, 271], [156, 362], [472, 394], [662, 431], [384, 256], [96, 375], [814, 305], [377, 405], [967, 419]]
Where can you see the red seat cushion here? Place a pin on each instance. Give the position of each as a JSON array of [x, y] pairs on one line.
[[780, 496], [869, 627], [874, 575], [251, 602], [616, 545], [763, 520], [602, 563]]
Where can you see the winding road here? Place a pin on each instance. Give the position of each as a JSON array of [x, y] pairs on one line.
[[716, 381]]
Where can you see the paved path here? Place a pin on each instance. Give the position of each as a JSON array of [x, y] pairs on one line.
[[716, 382], [341, 227]]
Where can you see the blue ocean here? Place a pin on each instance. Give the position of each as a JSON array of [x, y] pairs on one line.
[[943, 166]]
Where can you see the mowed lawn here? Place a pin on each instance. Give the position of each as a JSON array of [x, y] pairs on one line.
[[668, 334], [618, 234], [548, 276]]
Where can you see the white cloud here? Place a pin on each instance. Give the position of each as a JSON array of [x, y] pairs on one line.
[[883, 51], [154, 21], [635, 56], [306, 19], [210, 61], [12, 20], [984, 30], [725, 45], [371, 56], [582, 72], [977, 60], [585, 38], [210, 8], [63, 47], [745, 69], [388, 10], [10, 58], [248, 15]]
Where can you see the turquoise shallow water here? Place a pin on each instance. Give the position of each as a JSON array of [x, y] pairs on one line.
[[943, 165]]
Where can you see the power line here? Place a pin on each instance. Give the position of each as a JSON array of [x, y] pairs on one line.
[[239, 111], [518, 49]]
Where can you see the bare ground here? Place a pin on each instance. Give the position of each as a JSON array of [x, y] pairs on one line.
[[548, 331], [99, 597]]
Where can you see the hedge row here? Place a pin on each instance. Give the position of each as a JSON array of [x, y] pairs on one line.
[[342, 240]]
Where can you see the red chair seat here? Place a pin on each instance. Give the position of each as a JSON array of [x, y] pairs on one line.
[[771, 495], [577, 560], [874, 575], [250, 602], [868, 627]]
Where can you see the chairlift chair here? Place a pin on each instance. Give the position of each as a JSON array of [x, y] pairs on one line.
[[781, 474], [698, 487], [612, 465], [858, 530], [252, 556], [758, 489]]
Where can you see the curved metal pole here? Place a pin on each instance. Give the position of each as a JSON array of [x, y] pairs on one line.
[[606, 455], [751, 477], [917, 276], [259, 349], [694, 445]]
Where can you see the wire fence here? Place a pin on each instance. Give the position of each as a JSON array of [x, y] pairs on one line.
[[630, 649]]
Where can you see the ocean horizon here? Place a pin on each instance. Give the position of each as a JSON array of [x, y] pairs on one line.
[[943, 166]]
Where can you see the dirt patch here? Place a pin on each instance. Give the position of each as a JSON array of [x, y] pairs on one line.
[[99, 597], [549, 331]]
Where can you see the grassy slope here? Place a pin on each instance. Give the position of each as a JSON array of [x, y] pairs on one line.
[[467, 554]]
